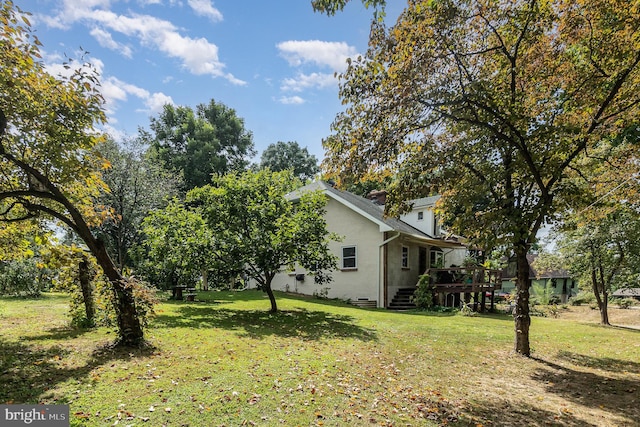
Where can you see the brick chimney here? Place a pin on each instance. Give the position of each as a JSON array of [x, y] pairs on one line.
[[379, 197]]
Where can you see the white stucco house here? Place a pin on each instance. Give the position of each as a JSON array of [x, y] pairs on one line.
[[377, 256]]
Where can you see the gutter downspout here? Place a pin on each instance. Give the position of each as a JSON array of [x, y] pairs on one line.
[[382, 270]]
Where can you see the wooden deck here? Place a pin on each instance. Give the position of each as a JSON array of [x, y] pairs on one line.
[[454, 285]]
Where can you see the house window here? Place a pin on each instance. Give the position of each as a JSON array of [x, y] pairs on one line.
[[420, 216], [405, 257], [436, 259], [349, 258]]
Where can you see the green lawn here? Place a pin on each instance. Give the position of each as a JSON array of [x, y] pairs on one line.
[[225, 361]]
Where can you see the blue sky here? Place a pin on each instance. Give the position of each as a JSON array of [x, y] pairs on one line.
[[271, 61]]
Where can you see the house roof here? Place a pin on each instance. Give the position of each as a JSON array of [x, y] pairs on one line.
[[510, 272], [372, 211], [424, 202], [627, 292]]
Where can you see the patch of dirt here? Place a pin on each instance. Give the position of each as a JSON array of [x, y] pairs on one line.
[[629, 317]]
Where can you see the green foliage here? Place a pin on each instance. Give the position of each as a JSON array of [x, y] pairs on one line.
[[330, 7], [178, 246], [199, 144], [21, 278], [289, 155], [542, 294], [625, 302], [600, 246], [137, 184], [583, 297], [423, 297], [257, 227]]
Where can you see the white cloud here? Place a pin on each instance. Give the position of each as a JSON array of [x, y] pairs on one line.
[[115, 91], [306, 81], [291, 100], [205, 8], [325, 54], [156, 102], [105, 40], [198, 56]]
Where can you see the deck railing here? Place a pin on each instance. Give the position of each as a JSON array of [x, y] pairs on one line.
[[465, 279]]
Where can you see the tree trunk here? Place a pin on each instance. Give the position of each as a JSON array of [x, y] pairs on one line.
[[87, 292], [205, 279], [272, 297], [604, 312], [600, 292], [129, 327], [521, 313]]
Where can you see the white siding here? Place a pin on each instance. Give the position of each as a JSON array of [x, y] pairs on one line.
[[426, 224], [354, 284]]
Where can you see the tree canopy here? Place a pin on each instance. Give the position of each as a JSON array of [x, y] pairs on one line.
[[178, 246], [137, 184], [198, 144], [493, 105], [289, 155], [249, 214]]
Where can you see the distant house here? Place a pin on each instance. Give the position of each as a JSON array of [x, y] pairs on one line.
[[563, 284], [378, 257], [627, 293]]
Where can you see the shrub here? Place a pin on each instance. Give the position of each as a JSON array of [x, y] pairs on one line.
[[423, 296], [466, 310], [542, 294], [21, 278], [625, 302], [583, 298]]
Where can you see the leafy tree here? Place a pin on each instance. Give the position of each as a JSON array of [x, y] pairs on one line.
[[493, 105], [22, 271], [198, 144], [250, 214], [288, 155], [179, 247], [48, 164], [137, 185], [602, 254]]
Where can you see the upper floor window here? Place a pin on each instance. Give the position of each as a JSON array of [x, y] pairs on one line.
[[420, 216], [349, 257]]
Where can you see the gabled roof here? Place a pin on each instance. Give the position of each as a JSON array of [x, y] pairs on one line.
[[424, 202], [627, 292], [372, 212], [510, 272]]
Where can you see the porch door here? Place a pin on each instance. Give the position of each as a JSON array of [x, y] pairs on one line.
[[422, 260]]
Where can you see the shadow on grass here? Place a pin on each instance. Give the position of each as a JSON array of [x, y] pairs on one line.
[[61, 333], [301, 323], [612, 326], [27, 372], [619, 396], [505, 414], [604, 363]]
